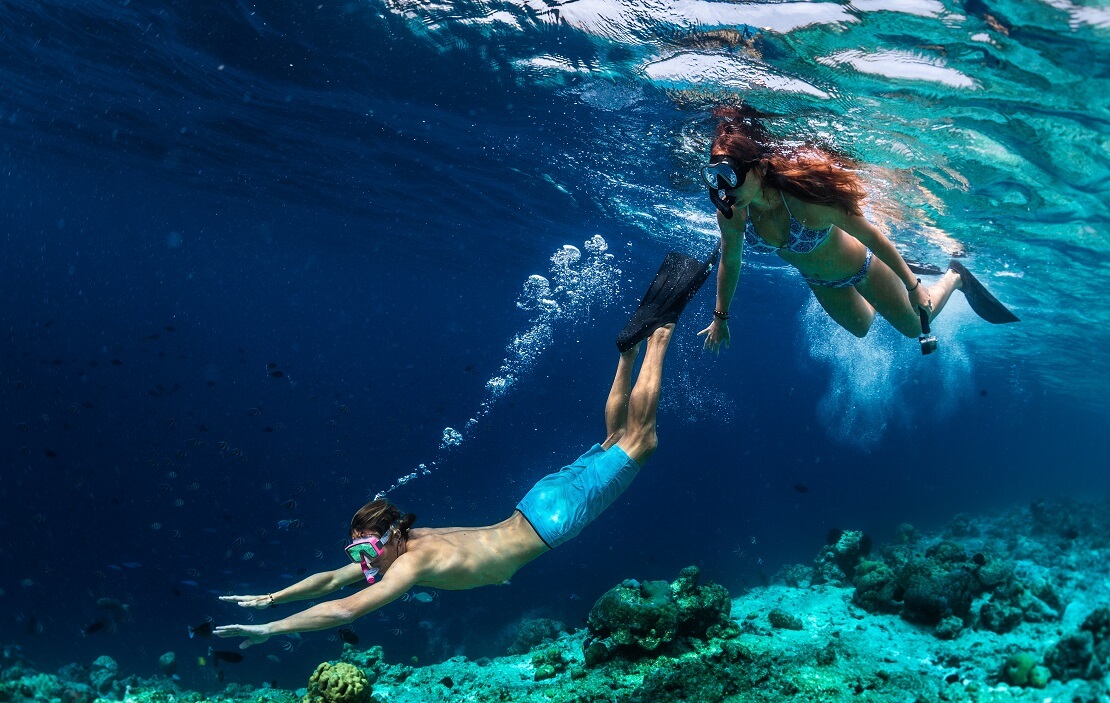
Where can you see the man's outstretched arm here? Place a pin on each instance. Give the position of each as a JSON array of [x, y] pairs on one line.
[[403, 574], [307, 588]]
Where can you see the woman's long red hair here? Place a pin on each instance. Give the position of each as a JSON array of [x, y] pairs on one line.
[[809, 172]]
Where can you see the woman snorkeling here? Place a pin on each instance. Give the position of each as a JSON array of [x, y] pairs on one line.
[[803, 203]]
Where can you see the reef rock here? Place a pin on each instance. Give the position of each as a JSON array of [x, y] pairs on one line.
[[1084, 654], [649, 615], [103, 673], [533, 632]]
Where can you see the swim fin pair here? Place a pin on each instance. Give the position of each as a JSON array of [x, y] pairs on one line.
[[678, 280], [978, 297]]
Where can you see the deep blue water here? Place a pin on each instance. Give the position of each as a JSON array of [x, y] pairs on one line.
[[197, 195]]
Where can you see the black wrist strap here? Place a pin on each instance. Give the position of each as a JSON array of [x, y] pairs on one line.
[[721, 315]]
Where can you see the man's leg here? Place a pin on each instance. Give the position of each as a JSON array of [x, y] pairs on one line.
[[616, 407], [639, 439]]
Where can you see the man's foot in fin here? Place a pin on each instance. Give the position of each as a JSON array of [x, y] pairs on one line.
[[981, 301], [679, 278], [923, 268]]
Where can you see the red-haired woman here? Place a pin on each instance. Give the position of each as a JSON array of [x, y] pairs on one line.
[[803, 203]]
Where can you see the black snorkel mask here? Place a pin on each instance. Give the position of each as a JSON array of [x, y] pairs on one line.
[[719, 174]]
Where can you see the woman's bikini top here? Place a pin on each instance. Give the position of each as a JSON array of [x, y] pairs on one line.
[[802, 239]]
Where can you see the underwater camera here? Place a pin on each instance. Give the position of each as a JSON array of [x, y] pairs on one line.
[[927, 340]]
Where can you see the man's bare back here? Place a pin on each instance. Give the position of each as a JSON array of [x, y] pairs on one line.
[[458, 558]]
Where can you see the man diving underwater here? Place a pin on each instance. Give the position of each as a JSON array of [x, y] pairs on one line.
[[393, 557]]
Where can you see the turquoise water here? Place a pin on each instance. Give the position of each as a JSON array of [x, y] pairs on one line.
[[262, 261], [984, 126]]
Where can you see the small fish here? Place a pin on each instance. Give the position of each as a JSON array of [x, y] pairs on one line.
[[112, 604], [801, 488], [223, 655], [94, 626], [347, 635], [202, 630], [419, 596], [274, 658]]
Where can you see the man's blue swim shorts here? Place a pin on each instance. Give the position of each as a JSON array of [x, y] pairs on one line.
[[563, 503]]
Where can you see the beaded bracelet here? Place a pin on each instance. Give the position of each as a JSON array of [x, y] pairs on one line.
[[720, 315], [272, 603]]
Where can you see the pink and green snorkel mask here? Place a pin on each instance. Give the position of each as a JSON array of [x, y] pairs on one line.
[[366, 549]]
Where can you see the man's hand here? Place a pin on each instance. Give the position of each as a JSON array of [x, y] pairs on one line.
[[265, 601], [255, 634]]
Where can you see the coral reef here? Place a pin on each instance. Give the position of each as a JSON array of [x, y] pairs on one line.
[[1011, 608]]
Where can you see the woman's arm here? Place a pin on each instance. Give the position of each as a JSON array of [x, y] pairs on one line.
[[728, 274], [403, 574], [314, 586], [873, 238]]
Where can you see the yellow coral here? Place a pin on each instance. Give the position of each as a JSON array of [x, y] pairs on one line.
[[338, 683]]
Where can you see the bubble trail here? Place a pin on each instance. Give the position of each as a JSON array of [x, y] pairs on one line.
[[575, 285]]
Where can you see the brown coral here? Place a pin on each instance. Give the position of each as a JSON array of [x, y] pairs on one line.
[[338, 683]]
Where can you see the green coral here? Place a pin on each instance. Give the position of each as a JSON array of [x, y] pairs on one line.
[[1018, 669], [338, 683]]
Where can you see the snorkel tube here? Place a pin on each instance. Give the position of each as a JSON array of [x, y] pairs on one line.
[[722, 202]]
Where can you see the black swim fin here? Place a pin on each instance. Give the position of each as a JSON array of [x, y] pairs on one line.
[[678, 279], [981, 301]]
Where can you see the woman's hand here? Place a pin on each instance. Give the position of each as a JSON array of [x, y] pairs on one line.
[[255, 634], [920, 298], [716, 334], [260, 602]]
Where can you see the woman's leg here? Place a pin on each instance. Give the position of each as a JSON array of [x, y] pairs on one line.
[[639, 439], [846, 307], [887, 293]]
